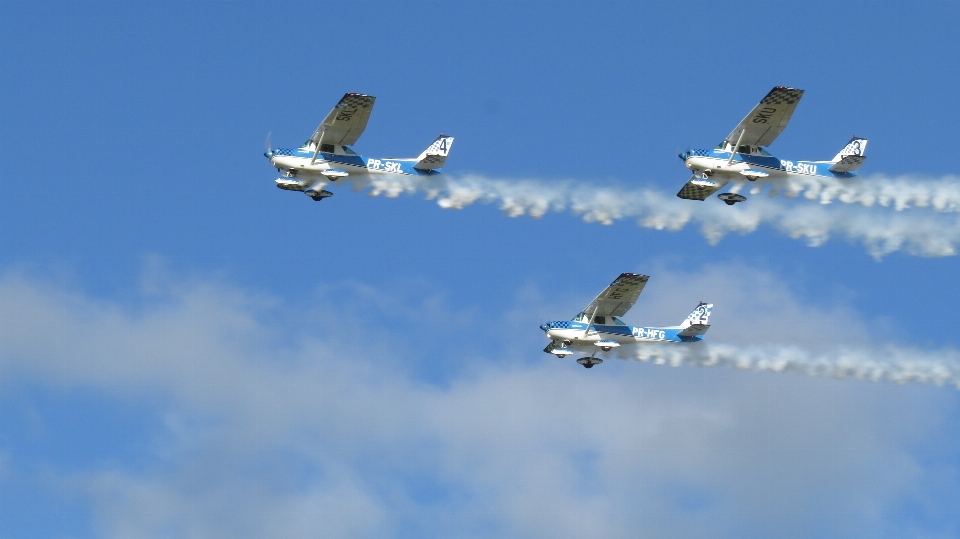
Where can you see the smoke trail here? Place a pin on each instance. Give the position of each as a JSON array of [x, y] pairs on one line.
[[900, 193], [881, 231], [891, 364]]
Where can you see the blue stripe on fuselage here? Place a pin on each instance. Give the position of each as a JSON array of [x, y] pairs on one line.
[[652, 333], [809, 168], [371, 164]]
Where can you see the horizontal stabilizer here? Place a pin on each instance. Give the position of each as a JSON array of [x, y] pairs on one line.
[[848, 163], [699, 188], [694, 329]]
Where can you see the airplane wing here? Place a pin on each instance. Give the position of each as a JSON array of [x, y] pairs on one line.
[[617, 299], [768, 119], [346, 121], [698, 188]]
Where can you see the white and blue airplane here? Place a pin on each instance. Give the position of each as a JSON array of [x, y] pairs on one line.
[[326, 156], [741, 157], [598, 328]]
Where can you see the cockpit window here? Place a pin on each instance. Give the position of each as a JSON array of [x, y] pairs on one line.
[[617, 321], [348, 151], [326, 148], [602, 320], [764, 152]]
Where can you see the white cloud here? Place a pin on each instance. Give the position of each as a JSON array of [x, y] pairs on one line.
[[322, 436]]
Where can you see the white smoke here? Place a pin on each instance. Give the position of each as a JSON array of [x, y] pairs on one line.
[[865, 218], [890, 363], [900, 193]]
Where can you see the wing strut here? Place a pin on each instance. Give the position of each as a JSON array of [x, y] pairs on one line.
[[316, 153], [590, 322], [734, 152]]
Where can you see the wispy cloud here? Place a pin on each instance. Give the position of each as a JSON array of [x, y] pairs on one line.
[[915, 215], [273, 431]]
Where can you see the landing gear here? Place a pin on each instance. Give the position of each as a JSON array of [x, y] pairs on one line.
[[589, 362], [731, 198], [321, 195]]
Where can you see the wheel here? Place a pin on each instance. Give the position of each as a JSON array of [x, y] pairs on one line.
[[605, 348], [588, 365]]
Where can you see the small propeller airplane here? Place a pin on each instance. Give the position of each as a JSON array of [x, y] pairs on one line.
[[599, 328], [741, 156], [326, 156]]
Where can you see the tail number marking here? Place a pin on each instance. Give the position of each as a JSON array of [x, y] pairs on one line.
[[649, 333], [384, 166], [799, 168]]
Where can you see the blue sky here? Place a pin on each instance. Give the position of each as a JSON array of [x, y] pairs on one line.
[[188, 351]]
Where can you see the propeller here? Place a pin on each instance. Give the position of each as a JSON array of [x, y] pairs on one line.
[[686, 153], [269, 153]]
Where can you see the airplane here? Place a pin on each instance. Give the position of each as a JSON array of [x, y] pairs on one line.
[[741, 155], [598, 328], [326, 156]]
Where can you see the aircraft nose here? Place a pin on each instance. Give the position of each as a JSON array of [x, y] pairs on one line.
[[544, 327]]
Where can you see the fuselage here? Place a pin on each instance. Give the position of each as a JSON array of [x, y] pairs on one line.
[[567, 330], [716, 162], [298, 161]]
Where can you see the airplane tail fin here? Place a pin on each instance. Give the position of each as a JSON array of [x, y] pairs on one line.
[[851, 156], [700, 315], [857, 147], [698, 322], [436, 155]]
